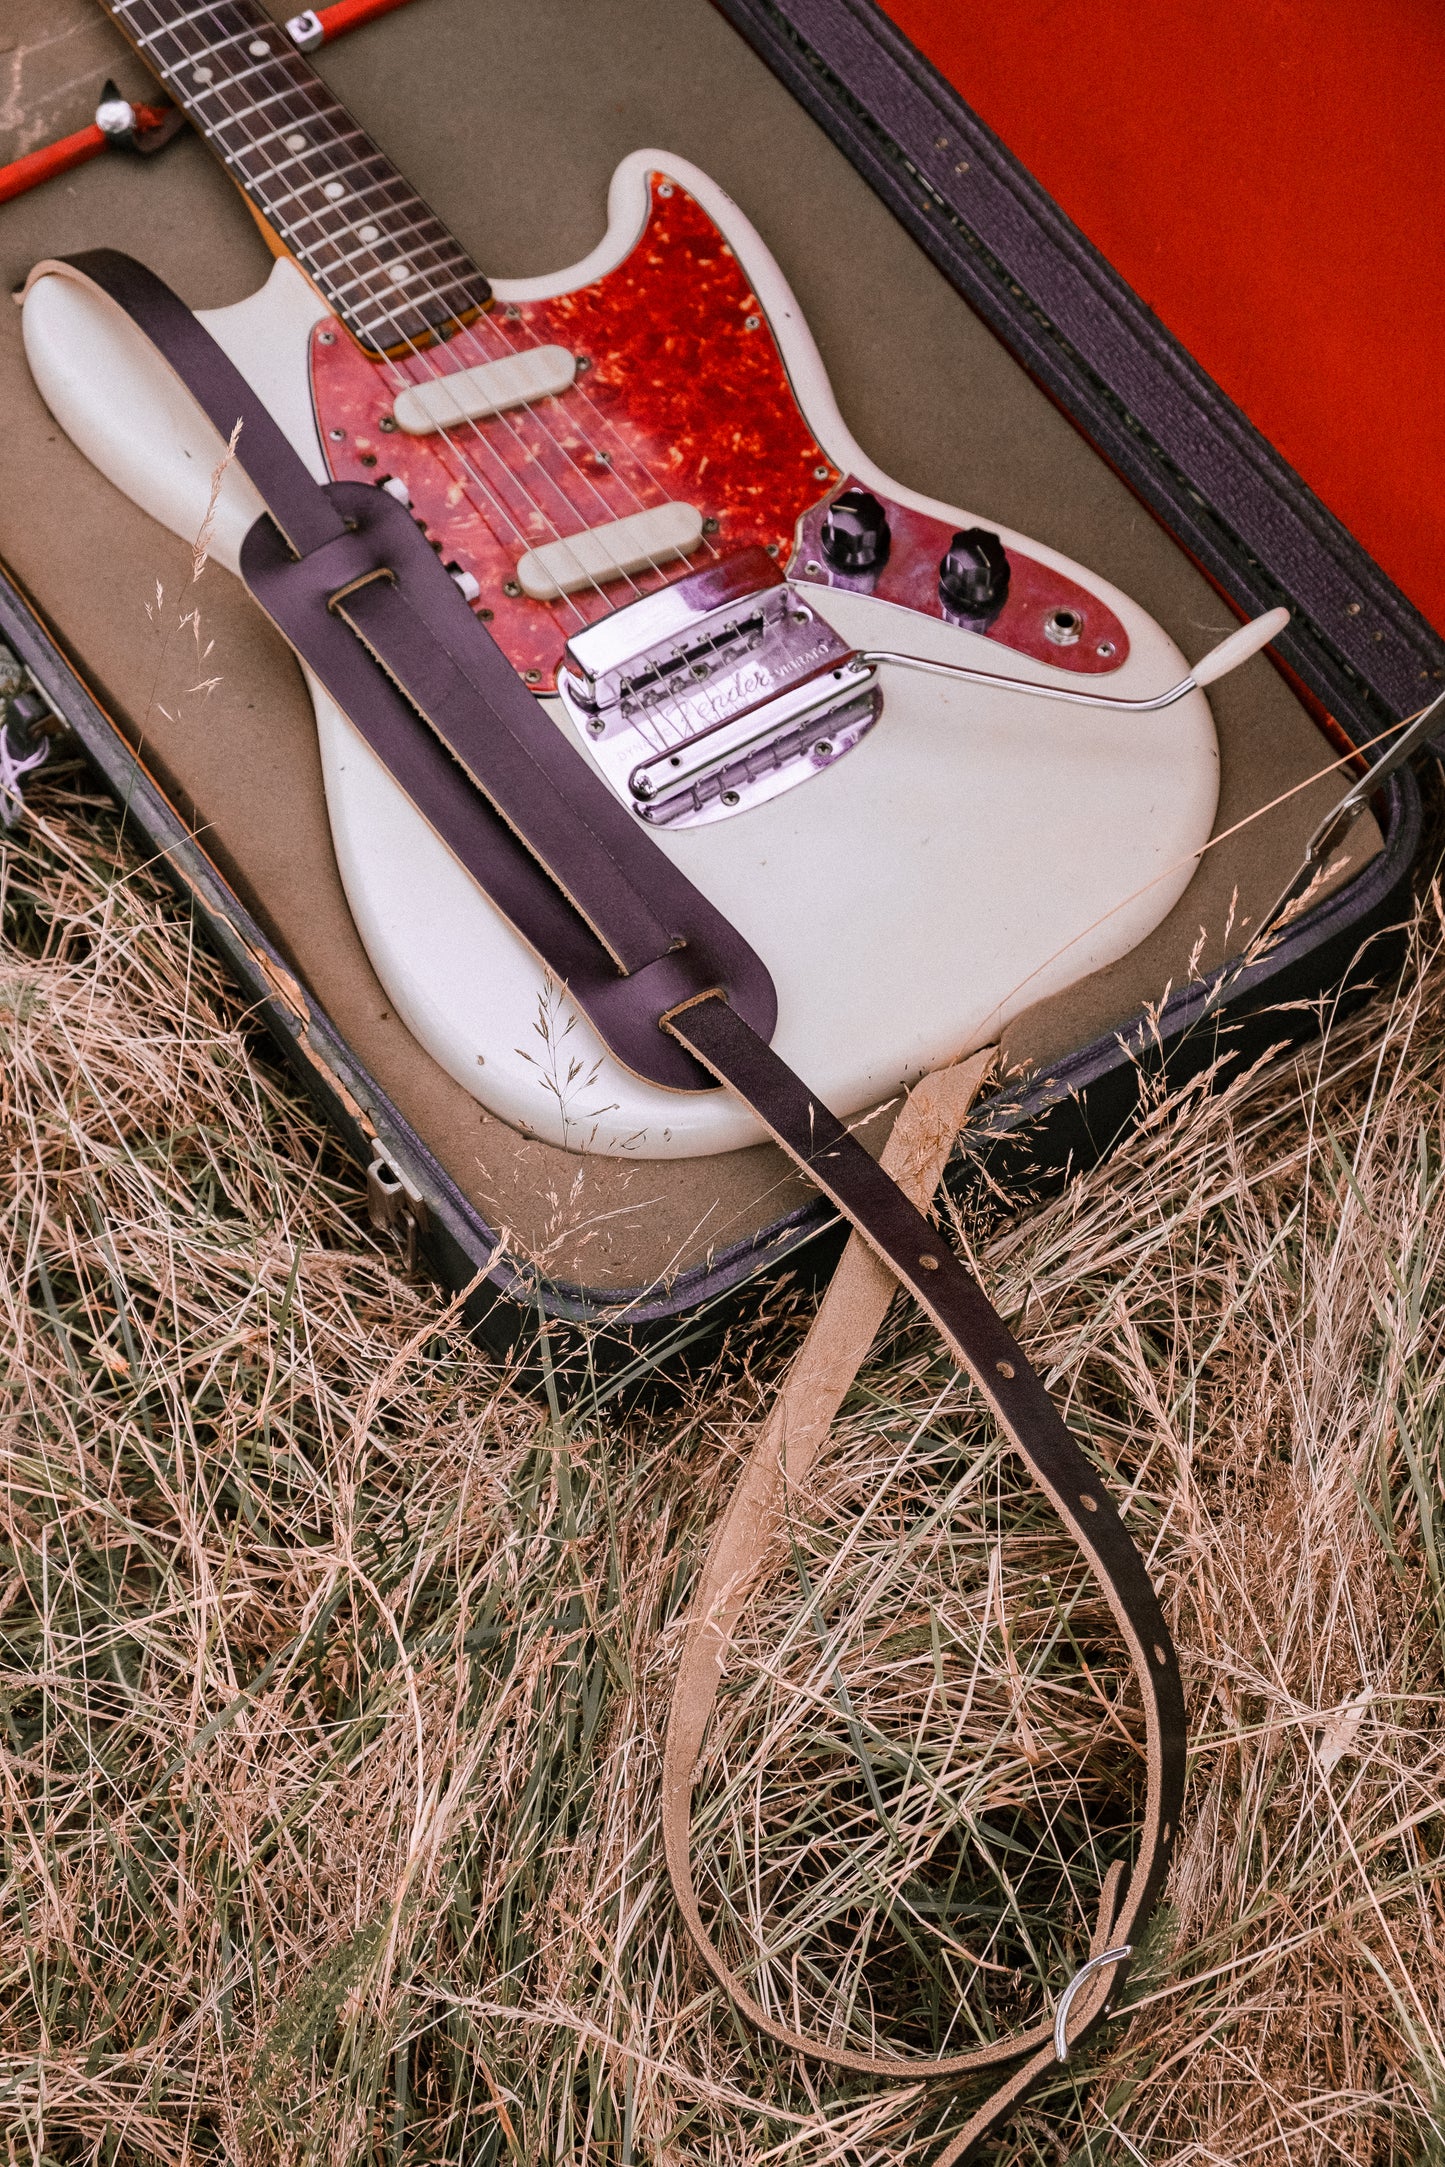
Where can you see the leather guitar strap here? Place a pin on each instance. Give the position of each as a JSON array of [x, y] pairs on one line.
[[681, 998]]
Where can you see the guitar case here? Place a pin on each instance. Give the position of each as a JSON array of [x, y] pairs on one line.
[[979, 349]]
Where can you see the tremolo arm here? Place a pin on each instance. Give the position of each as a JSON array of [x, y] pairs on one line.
[[1220, 660], [726, 687]]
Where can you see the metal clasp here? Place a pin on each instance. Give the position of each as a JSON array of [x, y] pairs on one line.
[[1066, 1999], [394, 1207]]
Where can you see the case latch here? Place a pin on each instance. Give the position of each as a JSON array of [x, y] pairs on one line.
[[395, 1207]]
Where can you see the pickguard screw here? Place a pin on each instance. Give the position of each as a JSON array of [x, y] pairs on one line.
[[326, 338], [812, 565], [534, 677], [604, 458], [750, 323], [338, 436], [665, 189], [513, 312], [710, 526], [510, 587], [486, 615], [584, 361], [1106, 649], [772, 549], [388, 423], [368, 458], [820, 474]]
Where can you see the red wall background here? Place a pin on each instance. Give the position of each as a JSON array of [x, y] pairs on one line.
[[1269, 175]]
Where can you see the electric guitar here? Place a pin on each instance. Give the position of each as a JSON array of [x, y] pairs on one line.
[[875, 730]]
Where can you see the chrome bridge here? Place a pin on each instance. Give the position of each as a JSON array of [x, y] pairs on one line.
[[717, 693]]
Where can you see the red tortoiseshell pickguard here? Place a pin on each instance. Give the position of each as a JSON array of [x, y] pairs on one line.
[[681, 395]]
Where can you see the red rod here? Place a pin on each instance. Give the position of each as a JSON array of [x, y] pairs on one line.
[[48, 164], [346, 15], [63, 157]]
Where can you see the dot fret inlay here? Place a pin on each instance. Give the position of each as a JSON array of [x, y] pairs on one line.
[[399, 277]]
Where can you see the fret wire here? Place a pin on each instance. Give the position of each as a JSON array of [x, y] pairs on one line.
[[220, 12], [329, 145], [358, 195], [444, 278], [370, 293], [427, 224], [451, 274], [381, 280], [169, 29], [189, 59], [291, 88], [128, 7], [334, 172], [382, 274], [411, 237], [247, 112], [214, 90], [396, 233], [311, 151], [173, 29], [430, 235]]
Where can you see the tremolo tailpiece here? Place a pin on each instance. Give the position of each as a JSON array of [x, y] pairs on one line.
[[716, 693], [728, 688]]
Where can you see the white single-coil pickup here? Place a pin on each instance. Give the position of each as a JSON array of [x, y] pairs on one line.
[[471, 394], [611, 551]]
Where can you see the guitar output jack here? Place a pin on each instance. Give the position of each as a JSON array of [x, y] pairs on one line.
[[1063, 626]]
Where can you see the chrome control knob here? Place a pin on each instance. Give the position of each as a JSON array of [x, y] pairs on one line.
[[855, 533], [973, 577]]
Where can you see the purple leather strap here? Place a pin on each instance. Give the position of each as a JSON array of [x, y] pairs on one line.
[[348, 578], [676, 993]]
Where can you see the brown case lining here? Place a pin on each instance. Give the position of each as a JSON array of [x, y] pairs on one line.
[[511, 122]]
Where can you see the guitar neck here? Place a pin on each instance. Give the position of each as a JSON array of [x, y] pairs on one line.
[[379, 255]]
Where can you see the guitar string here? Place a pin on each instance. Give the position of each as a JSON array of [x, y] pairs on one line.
[[488, 493], [652, 727], [190, 59], [430, 291]]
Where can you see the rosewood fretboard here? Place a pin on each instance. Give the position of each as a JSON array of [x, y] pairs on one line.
[[381, 257]]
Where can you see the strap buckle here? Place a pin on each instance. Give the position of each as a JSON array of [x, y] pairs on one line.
[[1066, 1999]]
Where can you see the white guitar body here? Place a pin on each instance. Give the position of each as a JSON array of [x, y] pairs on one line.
[[976, 852]]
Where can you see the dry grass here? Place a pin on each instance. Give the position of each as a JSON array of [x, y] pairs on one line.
[[333, 1666]]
